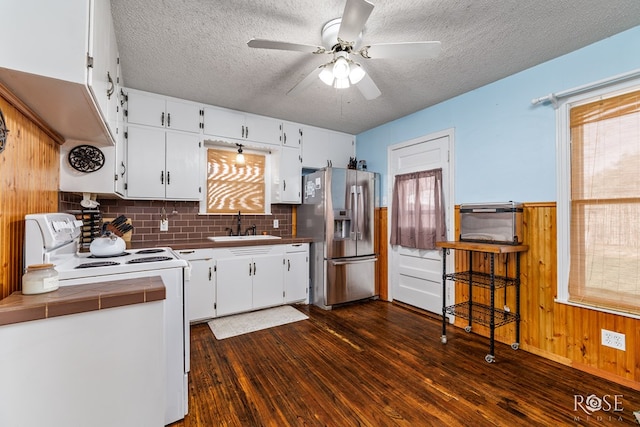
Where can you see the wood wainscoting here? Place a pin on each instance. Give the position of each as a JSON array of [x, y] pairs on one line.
[[29, 177], [560, 332]]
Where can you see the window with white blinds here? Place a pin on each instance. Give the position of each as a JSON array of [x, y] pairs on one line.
[[232, 188], [604, 205]]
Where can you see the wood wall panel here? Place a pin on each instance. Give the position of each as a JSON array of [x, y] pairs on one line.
[[382, 245], [29, 176], [564, 333]]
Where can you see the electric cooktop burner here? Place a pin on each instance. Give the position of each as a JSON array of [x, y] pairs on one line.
[[149, 259], [109, 256], [97, 264], [150, 251]]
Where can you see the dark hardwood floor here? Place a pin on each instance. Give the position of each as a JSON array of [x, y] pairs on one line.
[[380, 364]]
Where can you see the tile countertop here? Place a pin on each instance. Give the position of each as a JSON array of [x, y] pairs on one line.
[[206, 243], [17, 308]]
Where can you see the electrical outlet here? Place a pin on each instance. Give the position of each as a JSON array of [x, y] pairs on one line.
[[613, 339], [164, 225], [276, 223]]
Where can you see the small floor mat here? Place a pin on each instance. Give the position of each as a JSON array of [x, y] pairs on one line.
[[239, 324]]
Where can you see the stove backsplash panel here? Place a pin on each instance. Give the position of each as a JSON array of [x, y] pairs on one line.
[[184, 220]]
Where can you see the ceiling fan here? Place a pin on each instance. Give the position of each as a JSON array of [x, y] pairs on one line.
[[342, 39]]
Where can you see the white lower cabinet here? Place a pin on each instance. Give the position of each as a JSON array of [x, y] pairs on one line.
[[248, 278], [224, 281], [296, 273], [200, 284]]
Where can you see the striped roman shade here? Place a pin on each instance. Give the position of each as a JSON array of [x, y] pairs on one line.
[[232, 188]]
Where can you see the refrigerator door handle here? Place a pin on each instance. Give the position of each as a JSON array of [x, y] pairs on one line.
[[359, 213], [353, 232], [359, 261]]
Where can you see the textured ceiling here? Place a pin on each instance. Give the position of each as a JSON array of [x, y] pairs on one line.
[[196, 50]]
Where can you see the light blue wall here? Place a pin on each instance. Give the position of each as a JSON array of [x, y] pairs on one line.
[[504, 146]]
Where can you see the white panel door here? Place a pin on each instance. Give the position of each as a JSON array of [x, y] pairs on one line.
[[415, 275]]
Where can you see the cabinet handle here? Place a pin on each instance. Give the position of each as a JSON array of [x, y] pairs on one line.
[[162, 119], [285, 139], [284, 184], [246, 133], [168, 178], [288, 265], [186, 252], [162, 177], [249, 269], [254, 268], [111, 88], [209, 273], [124, 169], [168, 120], [243, 131]]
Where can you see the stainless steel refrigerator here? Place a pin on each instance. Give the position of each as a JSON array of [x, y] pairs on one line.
[[337, 211]]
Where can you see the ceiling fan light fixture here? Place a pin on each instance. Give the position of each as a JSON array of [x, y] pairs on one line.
[[326, 75], [356, 74], [341, 68], [341, 83]]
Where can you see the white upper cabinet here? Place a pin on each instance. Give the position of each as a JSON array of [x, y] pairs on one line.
[[289, 168], [62, 62], [241, 126], [162, 164], [149, 109], [321, 147]]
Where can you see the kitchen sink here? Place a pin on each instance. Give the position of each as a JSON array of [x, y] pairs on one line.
[[243, 238]]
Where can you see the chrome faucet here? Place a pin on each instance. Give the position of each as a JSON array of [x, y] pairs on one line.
[[239, 229]]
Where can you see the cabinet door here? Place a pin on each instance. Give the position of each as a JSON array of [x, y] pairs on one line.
[[341, 147], [201, 290], [290, 175], [146, 109], [183, 116], [291, 135], [120, 172], [225, 123], [267, 281], [234, 291], [182, 166], [101, 74], [314, 154], [145, 162], [262, 129], [320, 146], [296, 276]]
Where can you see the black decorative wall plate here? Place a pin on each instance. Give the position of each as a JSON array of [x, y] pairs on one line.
[[86, 158], [3, 132]]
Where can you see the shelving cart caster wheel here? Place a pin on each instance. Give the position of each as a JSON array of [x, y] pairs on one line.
[[443, 339], [467, 328], [515, 345], [490, 358]]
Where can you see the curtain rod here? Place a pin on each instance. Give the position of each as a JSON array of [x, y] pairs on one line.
[[553, 97]]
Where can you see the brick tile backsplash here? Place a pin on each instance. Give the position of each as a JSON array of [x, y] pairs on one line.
[[184, 220]]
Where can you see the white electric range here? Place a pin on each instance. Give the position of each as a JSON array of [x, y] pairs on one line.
[[54, 238]]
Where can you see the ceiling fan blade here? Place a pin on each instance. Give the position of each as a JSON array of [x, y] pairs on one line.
[[419, 50], [272, 44], [306, 82], [355, 15], [368, 88]]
